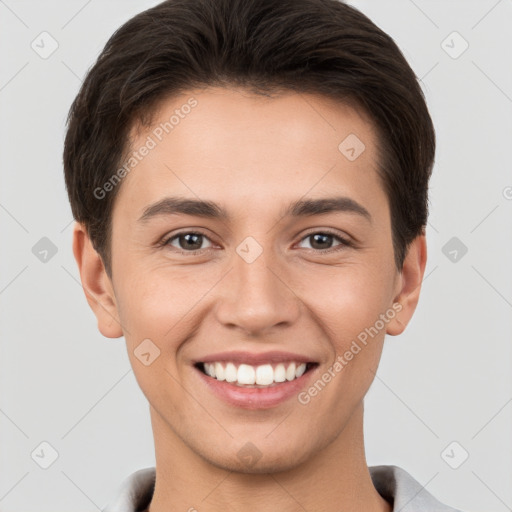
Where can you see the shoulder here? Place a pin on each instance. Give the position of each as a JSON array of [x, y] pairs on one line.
[[407, 494], [135, 492]]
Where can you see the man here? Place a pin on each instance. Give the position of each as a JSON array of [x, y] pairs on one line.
[[250, 180]]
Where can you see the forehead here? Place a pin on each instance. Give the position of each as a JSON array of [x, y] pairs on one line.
[[237, 145]]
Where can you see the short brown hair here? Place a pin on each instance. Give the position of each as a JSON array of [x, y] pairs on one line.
[[324, 47]]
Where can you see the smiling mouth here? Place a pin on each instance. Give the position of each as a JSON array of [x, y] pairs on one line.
[[251, 376]]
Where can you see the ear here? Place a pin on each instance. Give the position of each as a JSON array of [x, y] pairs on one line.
[[96, 283], [409, 285]]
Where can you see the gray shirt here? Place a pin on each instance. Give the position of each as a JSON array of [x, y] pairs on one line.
[[392, 482]]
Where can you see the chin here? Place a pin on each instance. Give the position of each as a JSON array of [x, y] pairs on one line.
[[275, 463], [258, 457]]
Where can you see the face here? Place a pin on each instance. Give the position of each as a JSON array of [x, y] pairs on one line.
[[250, 247]]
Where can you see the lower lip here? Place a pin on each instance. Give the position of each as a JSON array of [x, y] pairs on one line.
[[256, 398]]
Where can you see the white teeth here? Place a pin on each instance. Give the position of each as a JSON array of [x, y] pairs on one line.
[[219, 372], [262, 375], [300, 370], [290, 372], [209, 368], [246, 374], [280, 373], [231, 373]]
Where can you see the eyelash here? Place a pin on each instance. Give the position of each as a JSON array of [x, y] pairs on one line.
[[344, 242]]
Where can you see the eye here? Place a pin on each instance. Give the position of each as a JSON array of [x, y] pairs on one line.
[[188, 241], [191, 242], [322, 240]]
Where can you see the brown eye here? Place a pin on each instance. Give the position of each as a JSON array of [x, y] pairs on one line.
[[187, 241], [324, 241]]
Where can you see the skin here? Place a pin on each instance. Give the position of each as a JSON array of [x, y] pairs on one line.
[[254, 155]]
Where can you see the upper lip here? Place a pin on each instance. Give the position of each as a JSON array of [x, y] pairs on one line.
[[255, 359]]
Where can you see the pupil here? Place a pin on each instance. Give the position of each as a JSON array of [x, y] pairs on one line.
[[320, 238], [195, 243]]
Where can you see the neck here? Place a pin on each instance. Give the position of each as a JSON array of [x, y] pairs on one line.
[[336, 478]]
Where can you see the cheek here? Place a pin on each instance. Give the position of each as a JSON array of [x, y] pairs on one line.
[[158, 304], [157, 310], [348, 300]]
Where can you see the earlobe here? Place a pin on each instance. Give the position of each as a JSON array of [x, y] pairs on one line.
[[96, 283], [409, 286]]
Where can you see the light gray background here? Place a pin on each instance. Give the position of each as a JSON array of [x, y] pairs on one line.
[[446, 379]]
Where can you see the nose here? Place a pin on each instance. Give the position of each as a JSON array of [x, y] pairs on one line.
[[257, 297]]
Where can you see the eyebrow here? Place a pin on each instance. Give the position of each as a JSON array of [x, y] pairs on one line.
[[211, 210]]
